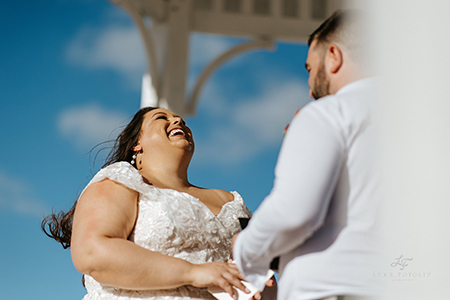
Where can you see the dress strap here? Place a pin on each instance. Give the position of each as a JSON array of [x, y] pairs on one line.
[[124, 173]]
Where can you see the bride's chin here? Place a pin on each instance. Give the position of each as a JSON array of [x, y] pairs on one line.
[[190, 147], [185, 144]]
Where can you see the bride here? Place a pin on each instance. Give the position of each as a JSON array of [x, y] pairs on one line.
[[140, 230]]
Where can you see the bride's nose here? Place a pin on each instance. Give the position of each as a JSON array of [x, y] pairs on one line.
[[176, 120]]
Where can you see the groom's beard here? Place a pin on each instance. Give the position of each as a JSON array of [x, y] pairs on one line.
[[321, 83]]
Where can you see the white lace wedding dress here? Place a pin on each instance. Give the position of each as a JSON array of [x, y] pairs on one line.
[[175, 224]]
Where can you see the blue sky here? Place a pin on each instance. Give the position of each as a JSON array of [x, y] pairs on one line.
[[70, 76]]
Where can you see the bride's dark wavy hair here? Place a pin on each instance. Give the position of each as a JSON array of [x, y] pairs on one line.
[[58, 226]]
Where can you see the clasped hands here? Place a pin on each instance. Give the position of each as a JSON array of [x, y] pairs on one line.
[[224, 275]]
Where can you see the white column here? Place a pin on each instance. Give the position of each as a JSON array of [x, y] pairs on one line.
[[175, 67], [148, 93]]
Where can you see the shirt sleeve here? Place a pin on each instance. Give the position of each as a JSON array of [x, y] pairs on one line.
[[307, 170]]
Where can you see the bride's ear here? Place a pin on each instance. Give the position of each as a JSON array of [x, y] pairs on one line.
[[137, 148]]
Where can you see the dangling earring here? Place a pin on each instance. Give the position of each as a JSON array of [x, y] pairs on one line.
[[133, 159]]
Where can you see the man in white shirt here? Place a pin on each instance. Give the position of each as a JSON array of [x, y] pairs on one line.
[[321, 213]]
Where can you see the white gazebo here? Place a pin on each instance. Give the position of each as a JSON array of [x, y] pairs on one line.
[[165, 27]]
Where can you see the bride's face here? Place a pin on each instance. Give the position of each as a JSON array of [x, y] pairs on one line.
[[163, 130]]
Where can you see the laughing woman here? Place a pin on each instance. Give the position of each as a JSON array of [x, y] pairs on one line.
[[140, 230]]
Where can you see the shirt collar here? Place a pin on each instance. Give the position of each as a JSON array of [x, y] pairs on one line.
[[358, 84]]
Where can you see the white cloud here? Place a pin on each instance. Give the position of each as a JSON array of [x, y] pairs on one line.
[[266, 117], [251, 126], [15, 196], [88, 125], [118, 48]]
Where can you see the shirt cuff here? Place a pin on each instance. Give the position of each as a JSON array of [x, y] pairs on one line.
[[252, 272]]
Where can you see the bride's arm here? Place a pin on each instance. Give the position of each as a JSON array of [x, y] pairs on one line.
[[104, 218]]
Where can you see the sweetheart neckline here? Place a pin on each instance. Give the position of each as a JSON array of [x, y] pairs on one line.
[[234, 193]]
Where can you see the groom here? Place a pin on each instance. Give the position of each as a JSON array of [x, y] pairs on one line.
[[320, 216]]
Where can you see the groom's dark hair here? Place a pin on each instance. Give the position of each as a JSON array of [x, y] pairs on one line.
[[344, 28]]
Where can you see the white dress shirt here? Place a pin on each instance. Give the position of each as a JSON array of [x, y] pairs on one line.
[[320, 215]]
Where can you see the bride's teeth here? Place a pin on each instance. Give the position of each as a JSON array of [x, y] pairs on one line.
[[175, 131]]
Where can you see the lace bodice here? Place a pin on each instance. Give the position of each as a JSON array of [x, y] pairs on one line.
[[175, 224]]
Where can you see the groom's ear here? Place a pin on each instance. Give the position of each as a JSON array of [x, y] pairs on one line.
[[333, 58]]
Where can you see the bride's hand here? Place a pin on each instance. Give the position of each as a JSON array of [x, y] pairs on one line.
[[223, 275]]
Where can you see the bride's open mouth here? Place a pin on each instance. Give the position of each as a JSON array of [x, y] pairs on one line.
[[178, 132]]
